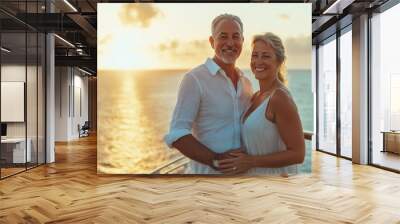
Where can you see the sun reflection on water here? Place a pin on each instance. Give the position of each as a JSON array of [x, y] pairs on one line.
[[129, 132]]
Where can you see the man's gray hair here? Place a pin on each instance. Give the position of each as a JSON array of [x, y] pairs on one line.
[[225, 16]]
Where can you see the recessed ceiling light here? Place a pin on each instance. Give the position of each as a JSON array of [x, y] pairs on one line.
[[86, 72], [64, 40], [5, 50], [70, 5], [338, 6]]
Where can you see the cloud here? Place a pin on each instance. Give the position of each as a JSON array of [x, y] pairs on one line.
[[187, 54], [298, 52], [103, 43], [106, 39], [138, 14], [169, 46], [284, 17], [184, 54]]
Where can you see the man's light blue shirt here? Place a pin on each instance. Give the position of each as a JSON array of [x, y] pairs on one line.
[[209, 108]]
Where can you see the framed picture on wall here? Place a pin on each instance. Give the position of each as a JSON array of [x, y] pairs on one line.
[[149, 56]]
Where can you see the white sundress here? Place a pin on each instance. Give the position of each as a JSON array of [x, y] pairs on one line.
[[260, 137]]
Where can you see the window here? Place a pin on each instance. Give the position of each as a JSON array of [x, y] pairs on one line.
[[346, 93], [22, 74], [385, 87], [327, 96]]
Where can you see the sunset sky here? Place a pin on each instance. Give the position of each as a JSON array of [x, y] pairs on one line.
[[143, 36]]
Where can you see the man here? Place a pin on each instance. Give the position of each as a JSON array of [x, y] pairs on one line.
[[212, 97]]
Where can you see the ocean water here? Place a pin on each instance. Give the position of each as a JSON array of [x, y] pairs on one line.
[[135, 108]]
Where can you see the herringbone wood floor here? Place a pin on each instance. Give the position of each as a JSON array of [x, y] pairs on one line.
[[70, 191]]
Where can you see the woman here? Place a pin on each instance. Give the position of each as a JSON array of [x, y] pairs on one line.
[[271, 128]]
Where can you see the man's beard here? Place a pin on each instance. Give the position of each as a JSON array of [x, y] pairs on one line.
[[227, 59]]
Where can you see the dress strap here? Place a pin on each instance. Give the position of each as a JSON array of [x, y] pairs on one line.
[[273, 92], [283, 89]]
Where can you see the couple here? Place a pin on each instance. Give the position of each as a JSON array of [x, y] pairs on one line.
[[221, 125]]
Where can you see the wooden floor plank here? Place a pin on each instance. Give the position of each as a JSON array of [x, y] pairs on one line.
[[71, 191]]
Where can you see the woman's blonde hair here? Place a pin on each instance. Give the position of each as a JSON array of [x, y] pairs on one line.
[[277, 45]]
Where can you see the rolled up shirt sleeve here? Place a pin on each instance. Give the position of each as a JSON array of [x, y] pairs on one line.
[[186, 109]]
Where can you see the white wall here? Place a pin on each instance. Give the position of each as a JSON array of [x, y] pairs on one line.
[[62, 80], [71, 93], [12, 73], [12, 101], [33, 127], [81, 102]]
